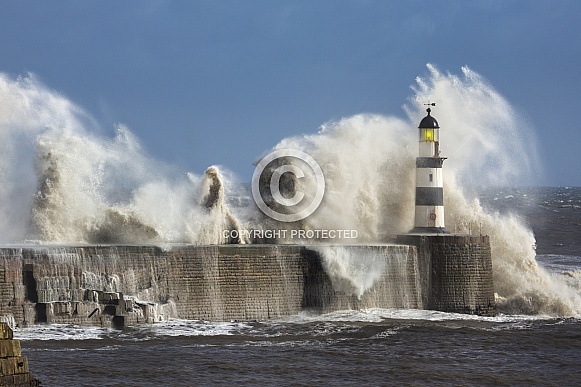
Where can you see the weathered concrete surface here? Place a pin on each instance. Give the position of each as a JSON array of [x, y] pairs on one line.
[[122, 285], [460, 272]]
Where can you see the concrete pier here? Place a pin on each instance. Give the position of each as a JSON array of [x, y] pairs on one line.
[[127, 285], [122, 285]]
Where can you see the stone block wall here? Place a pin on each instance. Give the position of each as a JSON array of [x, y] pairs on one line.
[[122, 285], [126, 285], [13, 367], [460, 272]]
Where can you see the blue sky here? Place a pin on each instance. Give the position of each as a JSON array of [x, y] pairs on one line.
[[221, 82]]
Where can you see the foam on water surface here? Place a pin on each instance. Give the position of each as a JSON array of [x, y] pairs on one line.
[[313, 326]]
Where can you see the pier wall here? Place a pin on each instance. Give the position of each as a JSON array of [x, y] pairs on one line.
[[122, 285], [125, 285]]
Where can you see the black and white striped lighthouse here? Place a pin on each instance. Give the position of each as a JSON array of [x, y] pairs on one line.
[[429, 179]]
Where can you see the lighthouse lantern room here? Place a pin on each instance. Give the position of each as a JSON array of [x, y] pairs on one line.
[[429, 180]]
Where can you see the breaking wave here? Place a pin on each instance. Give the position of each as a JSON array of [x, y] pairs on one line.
[[63, 183]]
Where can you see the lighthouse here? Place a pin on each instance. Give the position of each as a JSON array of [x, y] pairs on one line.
[[457, 268], [429, 179]]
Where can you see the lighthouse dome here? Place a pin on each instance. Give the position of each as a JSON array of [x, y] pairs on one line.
[[429, 121]]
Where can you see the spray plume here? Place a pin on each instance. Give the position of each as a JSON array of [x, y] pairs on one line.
[[64, 184]]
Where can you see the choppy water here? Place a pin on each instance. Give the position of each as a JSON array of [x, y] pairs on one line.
[[554, 214], [374, 347]]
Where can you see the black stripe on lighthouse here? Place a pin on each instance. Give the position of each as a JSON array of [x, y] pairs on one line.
[[429, 196], [429, 162]]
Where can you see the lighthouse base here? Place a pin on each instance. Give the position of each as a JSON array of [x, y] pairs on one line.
[[456, 272]]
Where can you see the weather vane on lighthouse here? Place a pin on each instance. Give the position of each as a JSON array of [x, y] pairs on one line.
[[429, 180]]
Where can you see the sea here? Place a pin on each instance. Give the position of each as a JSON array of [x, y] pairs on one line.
[[361, 347]]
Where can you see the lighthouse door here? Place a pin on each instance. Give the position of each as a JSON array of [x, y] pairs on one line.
[[432, 218]]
